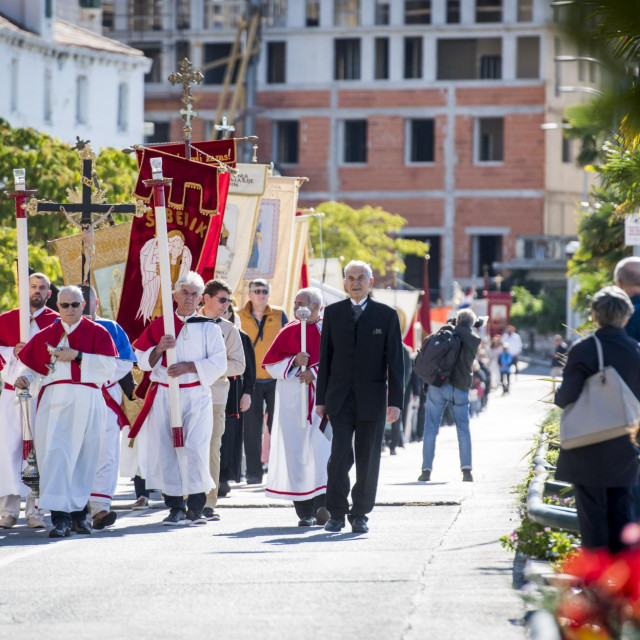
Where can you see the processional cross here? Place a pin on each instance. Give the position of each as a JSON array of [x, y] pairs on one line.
[[87, 208], [186, 76]]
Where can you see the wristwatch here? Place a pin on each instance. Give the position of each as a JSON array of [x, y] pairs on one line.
[[78, 358]]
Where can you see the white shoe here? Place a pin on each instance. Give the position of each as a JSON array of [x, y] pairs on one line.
[[7, 521], [35, 522], [141, 503]]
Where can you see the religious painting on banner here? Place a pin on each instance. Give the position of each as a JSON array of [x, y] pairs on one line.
[[208, 152], [240, 222], [273, 256], [192, 210], [107, 272]]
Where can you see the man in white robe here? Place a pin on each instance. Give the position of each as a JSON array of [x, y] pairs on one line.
[[11, 436], [201, 360], [300, 447], [71, 410], [106, 480]]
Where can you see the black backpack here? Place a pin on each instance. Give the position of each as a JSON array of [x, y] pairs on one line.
[[436, 360]]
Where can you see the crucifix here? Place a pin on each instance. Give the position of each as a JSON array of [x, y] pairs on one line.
[[225, 128], [186, 76], [87, 208]]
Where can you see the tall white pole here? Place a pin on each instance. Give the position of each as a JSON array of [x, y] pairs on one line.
[[303, 314], [159, 182], [23, 253]]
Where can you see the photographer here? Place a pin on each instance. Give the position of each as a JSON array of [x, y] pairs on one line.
[[456, 392]]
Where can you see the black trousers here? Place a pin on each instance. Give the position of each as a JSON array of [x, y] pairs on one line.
[[308, 508], [263, 393], [58, 517], [140, 487], [603, 512], [195, 502], [368, 443]]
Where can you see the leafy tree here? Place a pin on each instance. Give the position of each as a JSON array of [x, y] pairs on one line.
[[544, 311], [52, 167], [368, 234]]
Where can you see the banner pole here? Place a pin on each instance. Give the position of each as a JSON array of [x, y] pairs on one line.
[[158, 182]]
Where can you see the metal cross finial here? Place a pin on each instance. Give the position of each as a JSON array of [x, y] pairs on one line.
[[225, 128], [187, 114], [186, 76]]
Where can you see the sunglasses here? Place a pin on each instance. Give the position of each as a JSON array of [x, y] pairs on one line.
[[223, 300], [260, 291], [66, 305]]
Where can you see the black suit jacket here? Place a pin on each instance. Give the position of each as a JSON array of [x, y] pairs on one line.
[[613, 463], [360, 358]]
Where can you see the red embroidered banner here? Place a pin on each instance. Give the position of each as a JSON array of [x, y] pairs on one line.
[[224, 151], [192, 211]]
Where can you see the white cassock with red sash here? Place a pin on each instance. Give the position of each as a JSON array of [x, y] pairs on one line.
[[182, 470], [11, 458], [299, 454], [69, 424]]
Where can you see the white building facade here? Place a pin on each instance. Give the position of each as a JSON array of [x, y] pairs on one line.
[[66, 80]]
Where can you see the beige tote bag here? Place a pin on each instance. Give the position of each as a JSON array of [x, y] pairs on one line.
[[606, 409]]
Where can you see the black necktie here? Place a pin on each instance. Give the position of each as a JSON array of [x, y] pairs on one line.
[[357, 311]]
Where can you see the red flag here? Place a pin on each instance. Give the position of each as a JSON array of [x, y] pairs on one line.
[[208, 152], [192, 210], [425, 305]]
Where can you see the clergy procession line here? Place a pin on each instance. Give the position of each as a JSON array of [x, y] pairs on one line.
[[325, 385]]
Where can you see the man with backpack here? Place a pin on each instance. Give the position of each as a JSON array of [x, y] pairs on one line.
[[445, 365]]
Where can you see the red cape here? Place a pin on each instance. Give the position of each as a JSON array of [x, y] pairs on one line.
[[287, 344], [87, 337], [10, 325]]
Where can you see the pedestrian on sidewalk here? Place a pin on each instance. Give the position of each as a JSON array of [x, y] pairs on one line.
[[505, 361], [603, 474], [456, 392], [360, 384]]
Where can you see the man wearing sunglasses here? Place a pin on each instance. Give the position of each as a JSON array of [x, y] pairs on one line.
[[71, 409], [11, 486], [216, 300], [262, 323]]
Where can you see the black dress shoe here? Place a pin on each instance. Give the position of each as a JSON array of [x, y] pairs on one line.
[[309, 521], [61, 530], [359, 525], [425, 476], [254, 480], [81, 526], [223, 489], [334, 525]]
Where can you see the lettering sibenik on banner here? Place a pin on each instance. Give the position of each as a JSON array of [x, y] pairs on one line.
[[194, 209]]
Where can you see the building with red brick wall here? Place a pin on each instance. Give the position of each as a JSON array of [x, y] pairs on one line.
[[431, 109]]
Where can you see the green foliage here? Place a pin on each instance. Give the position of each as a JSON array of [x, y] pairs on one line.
[[38, 259], [367, 234], [533, 539], [544, 312], [52, 167]]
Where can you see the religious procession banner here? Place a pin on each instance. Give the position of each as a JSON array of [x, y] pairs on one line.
[[209, 152], [240, 222], [272, 253], [107, 272], [192, 212], [404, 302]]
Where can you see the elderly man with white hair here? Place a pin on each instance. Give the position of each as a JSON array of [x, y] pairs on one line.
[[456, 392], [201, 360], [299, 447], [69, 425]]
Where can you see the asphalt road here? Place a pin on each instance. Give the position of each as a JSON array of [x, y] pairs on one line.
[[431, 566]]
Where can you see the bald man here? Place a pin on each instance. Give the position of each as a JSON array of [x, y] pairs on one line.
[[627, 276]]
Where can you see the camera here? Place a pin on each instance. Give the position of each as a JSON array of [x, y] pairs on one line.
[[480, 322]]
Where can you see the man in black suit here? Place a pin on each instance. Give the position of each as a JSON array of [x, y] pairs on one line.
[[361, 350]]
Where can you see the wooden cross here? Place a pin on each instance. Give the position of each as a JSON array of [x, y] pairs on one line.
[[186, 76], [87, 208]]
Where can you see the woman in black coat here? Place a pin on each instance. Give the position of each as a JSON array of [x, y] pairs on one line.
[[605, 473]]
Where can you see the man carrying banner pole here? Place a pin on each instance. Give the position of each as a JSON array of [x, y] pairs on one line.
[[186, 355]]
